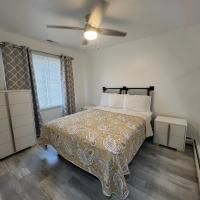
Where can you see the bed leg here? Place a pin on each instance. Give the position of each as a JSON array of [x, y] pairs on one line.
[[45, 147]]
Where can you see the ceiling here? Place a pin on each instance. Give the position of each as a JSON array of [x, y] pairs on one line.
[[140, 18]]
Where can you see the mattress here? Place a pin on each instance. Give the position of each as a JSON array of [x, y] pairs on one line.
[[100, 141]]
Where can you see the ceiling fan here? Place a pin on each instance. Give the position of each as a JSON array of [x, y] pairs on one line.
[[93, 21]]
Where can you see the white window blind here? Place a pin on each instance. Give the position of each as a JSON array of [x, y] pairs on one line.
[[48, 80]]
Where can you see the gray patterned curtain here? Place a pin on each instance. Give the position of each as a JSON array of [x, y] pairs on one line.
[[68, 85], [19, 74], [15, 61]]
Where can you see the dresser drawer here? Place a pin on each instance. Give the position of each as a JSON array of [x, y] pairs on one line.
[[161, 133], [6, 149], [4, 125], [20, 97], [3, 112], [21, 109], [2, 99], [24, 142], [28, 130], [5, 137], [22, 120]]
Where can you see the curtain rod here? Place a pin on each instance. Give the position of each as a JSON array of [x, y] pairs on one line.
[[2, 43]]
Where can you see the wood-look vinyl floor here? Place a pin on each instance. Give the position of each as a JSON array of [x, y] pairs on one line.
[[157, 173]]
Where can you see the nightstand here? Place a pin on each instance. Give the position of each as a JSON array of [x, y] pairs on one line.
[[170, 132], [87, 107]]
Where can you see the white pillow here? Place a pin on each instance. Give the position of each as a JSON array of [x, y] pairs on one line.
[[139, 103], [105, 99], [117, 100]]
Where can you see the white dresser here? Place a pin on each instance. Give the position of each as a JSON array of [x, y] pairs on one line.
[[6, 141], [17, 127], [170, 132]]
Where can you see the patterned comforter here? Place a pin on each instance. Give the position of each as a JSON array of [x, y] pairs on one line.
[[100, 142]]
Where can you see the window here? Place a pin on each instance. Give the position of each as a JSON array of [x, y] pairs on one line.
[[48, 80]]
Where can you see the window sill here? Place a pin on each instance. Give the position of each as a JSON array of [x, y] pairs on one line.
[[50, 108]]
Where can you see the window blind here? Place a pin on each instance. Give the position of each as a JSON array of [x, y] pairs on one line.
[[48, 80]]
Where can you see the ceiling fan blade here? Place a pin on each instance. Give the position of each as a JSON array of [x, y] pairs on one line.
[[65, 27], [105, 31], [94, 19]]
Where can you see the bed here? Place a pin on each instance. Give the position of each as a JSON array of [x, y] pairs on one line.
[[102, 141]]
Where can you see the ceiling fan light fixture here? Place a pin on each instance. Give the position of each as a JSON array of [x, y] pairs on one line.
[[90, 35]]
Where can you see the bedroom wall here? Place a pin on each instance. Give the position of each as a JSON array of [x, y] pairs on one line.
[[78, 66], [170, 62]]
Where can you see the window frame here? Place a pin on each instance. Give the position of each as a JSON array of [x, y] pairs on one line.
[[50, 108], [36, 53]]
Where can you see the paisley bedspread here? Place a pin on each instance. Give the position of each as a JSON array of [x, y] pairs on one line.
[[100, 142]]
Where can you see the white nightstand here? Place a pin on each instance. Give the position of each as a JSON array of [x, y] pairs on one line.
[[87, 107], [170, 132]]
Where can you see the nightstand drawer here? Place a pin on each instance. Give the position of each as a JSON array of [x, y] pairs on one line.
[[161, 133], [177, 130], [177, 142]]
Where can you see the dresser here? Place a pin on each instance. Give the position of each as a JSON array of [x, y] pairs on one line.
[[170, 131], [17, 127]]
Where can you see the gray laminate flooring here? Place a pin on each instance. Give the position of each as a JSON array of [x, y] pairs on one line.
[[157, 173]]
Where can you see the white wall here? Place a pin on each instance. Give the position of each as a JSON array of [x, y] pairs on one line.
[[170, 62], [78, 64]]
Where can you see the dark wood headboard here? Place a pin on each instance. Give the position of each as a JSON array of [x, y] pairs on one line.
[[124, 89]]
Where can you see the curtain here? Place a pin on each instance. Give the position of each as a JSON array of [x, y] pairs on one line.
[[15, 61], [19, 74], [2, 74], [67, 85]]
